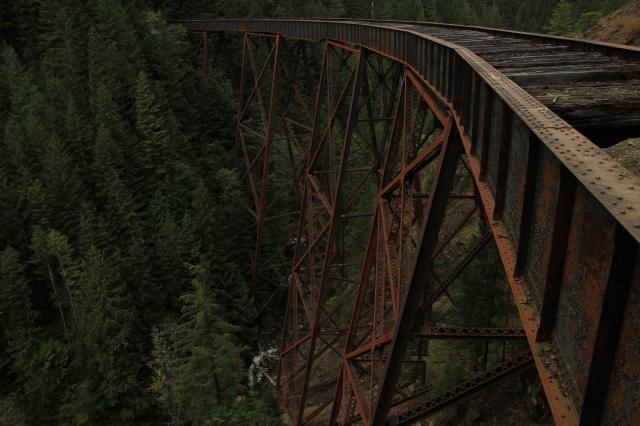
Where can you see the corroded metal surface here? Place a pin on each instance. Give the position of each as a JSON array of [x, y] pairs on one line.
[[564, 216]]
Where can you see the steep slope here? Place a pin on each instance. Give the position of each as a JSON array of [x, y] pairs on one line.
[[622, 26]]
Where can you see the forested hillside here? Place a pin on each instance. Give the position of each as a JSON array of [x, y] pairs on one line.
[[124, 274], [123, 291], [561, 17], [622, 26]]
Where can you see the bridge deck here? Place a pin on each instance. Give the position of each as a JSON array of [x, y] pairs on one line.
[[591, 90], [565, 216]]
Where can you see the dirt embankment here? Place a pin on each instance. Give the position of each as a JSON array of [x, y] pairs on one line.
[[627, 153], [622, 26]]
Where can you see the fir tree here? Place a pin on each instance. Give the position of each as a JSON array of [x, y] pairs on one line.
[[62, 186], [62, 39], [335, 8], [38, 363], [55, 265], [16, 311], [586, 21], [431, 11], [105, 150], [315, 8], [25, 14], [11, 413], [163, 383], [561, 21], [113, 55], [107, 345], [207, 360], [156, 148], [170, 259]]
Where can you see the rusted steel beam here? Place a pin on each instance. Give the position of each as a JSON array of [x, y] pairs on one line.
[[382, 39], [562, 406], [433, 294], [409, 396], [401, 399], [381, 274], [419, 275], [261, 207], [260, 122], [471, 333], [556, 253], [611, 309], [464, 390], [326, 213]]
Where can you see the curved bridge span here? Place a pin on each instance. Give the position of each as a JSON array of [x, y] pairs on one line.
[[446, 143]]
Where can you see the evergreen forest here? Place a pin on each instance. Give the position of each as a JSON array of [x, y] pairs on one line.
[[125, 293]]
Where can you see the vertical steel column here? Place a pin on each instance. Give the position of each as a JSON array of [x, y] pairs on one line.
[[336, 184], [266, 155], [336, 210], [318, 237], [413, 148], [414, 296]]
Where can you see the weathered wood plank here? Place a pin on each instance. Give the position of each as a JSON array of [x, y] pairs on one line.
[[612, 108], [540, 76], [550, 61]]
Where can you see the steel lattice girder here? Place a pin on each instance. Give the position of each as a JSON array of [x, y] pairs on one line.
[[470, 333], [414, 146], [273, 129], [472, 385], [336, 182], [565, 234]]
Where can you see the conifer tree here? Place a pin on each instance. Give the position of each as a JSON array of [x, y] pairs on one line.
[[466, 14], [62, 186], [207, 360], [205, 218], [105, 151], [111, 154], [25, 14], [561, 21], [16, 311], [10, 214], [384, 9], [37, 362], [11, 413], [156, 147], [173, 76], [114, 55], [55, 265], [145, 288], [25, 136], [255, 9], [62, 38], [107, 345], [77, 132], [170, 259], [7, 22], [315, 8], [586, 21], [417, 10], [335, 8], [163, 383]]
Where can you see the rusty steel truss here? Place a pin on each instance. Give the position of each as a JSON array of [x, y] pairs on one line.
[[447, 165]]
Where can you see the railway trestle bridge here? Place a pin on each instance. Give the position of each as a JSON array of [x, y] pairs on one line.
[[410, 153]]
